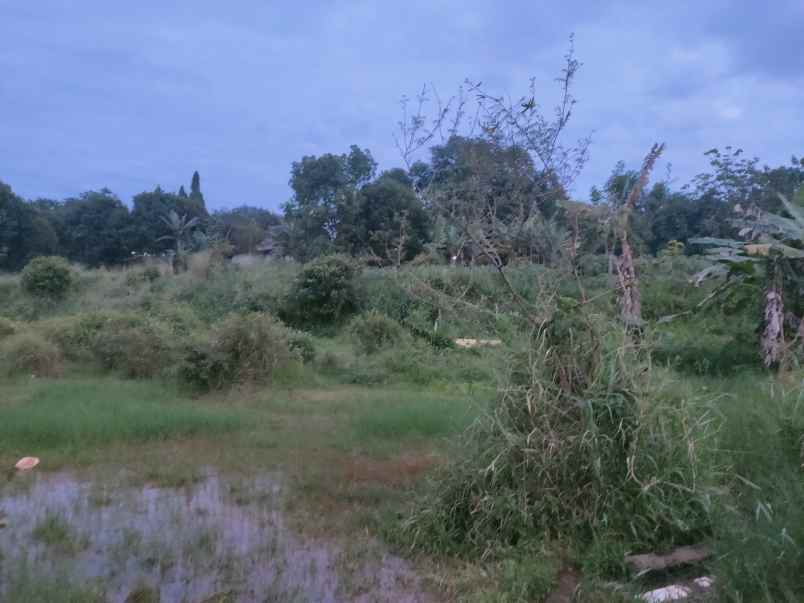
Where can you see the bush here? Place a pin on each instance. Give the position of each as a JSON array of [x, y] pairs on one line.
[[324, 292], [580, 443], [30, 354], [138, 350], [243, 349], [130, 342], [136, 277], [373, 331], [302, 344], [48, 276]]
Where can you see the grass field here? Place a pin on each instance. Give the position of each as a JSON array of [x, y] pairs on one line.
[[406, 463]]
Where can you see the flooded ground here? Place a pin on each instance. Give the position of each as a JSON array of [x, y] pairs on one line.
[[219, 539]]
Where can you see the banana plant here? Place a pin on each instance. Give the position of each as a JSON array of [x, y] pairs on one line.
[[179, 227], [769, 246]]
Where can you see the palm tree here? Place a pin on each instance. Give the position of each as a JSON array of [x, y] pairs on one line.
[[180, 227]]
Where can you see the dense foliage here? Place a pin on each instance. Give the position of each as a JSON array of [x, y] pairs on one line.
[[340, 205], [48, 277]]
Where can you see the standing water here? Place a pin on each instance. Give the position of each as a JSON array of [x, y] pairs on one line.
[[216, 538]]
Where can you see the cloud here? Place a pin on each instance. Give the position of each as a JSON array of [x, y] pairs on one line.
[[134, 95]]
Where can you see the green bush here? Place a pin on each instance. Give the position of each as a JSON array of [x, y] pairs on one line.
[[48, 276], [374, 331], [138, 350], [759, 525], [324, 292], [30, 354], [302, 344], [246, 348], [130, 342]]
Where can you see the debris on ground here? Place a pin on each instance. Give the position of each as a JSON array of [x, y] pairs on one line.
[[26, 463], [677, 592], [477, 343], [681, 556]]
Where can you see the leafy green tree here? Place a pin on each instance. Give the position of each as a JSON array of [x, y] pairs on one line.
[[25, 232], [147, 226], [95, 229], [391, 222], [322, 211]]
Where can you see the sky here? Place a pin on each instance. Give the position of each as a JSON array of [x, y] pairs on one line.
[[131, 95]]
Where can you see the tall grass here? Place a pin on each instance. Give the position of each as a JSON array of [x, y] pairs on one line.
[[581, 443], [82, 413], [759, 525]]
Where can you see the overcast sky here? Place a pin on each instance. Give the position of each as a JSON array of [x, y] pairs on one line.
[[130, 95]]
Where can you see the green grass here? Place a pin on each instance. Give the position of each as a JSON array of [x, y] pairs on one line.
[[412, 414], [759, 524], [81, 413], [54, 531]]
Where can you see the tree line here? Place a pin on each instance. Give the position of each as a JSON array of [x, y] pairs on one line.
[[340, 204]]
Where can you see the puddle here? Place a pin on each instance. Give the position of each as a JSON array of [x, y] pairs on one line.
[[217, 536]]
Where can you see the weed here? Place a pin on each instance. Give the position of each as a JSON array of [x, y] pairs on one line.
[[53, 531], [30, 354]]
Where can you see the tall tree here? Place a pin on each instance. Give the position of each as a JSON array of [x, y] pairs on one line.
[[320, 215], [95, 229], [146, 218], [25, 232]]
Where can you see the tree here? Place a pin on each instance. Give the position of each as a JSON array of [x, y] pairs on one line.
[[95, 229], [322, 210], [25, 232], [491, 206], [391, 222], [147, 226], [244, 227], [180, 228], [627, 281], [195, 189], [769, 255]]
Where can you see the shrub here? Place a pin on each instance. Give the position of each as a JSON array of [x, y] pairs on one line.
[[136, 277], [7, 328], [31, 354], [324, 292], [244, 348], [48, 276], [373, 331], [130, 342], [302, 344], [138, 350]]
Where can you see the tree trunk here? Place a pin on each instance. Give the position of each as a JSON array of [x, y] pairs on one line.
[[772, 342], [628, 285], [630, 298]]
